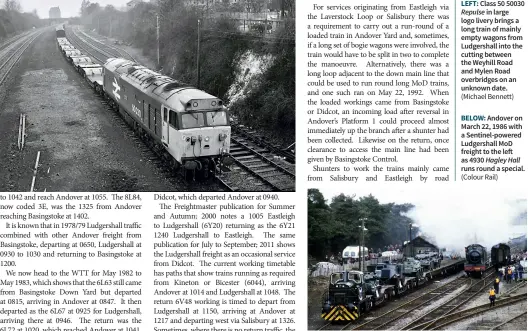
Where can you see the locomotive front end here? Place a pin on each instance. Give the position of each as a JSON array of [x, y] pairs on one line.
[[202, 134], [341, 301]]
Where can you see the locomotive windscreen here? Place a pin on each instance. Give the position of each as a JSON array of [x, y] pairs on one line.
[[216, 118], [192, 120]]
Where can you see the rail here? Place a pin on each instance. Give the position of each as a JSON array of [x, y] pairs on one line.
[[427, 320], [15, 56], [396, 314], [498, 326], [287, 153], [393, 314], [81, 45], [441, 322], [256, 164], [119, 50]]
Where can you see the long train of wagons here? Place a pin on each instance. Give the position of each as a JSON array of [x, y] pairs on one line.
[[353, 293]]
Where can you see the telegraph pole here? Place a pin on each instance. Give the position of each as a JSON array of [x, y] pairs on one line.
[[198, 59], [410, 240], [158, 37], [362, 244]]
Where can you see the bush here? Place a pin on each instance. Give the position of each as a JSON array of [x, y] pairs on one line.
[[14, 22], [272, 104]]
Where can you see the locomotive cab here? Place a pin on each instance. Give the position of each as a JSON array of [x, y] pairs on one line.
[[196, 132]]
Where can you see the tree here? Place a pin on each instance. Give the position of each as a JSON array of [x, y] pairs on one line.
[[254, 6], [84, 7], [333, 227], [12, 6], [287, 8], [320, 226]]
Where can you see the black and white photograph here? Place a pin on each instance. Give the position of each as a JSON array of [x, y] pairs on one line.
[[409, 260], [147, 96]]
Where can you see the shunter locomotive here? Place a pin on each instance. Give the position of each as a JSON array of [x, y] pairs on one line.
[[348, 296]]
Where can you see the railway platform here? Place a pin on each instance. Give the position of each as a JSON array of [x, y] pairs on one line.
[[447, 266]]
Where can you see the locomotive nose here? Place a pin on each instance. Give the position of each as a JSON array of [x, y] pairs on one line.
[[474, 256]]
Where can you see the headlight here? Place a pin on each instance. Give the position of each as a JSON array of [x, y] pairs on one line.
[[206, 139]]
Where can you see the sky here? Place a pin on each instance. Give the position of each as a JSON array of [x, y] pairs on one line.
[[68, 8], [452, 215]]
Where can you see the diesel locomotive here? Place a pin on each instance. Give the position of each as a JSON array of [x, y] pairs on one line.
[[187, 126], [348, 296], [476, 260]]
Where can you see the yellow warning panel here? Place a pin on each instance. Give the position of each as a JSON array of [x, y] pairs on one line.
[[340, 313]]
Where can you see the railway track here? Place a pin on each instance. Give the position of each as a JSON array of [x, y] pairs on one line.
[[498, 326], [408, 307], [257, 166], [441, 322], [116, 50], [476, 287], [412, 300], [93, 52], [9, 41], [10, 55], [288, 153], [100, 53]]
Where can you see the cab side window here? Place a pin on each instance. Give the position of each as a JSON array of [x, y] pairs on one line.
[[173, 119]]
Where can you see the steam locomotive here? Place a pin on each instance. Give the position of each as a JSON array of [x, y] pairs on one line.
[[500, 255], [477, 259]]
